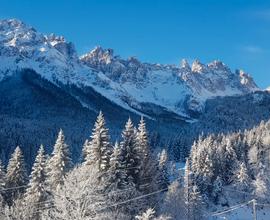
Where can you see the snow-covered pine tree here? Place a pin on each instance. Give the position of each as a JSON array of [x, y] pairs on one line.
[[15, 212], [131, 153], [59, 163], [2, 176], [261, 190], [85, 149], [217, 189], [16, 177], [196, 204], [120, 188], [36, 194], [2, 183], [229, 159], [193, 158], [261, 152], [203, 175], [197, 155], [241, 179], [147, 180], [174, 204], [142, 139], [99, 149], [149, 214], [163, 179], [188, 183], [117, 173], [207, 169]]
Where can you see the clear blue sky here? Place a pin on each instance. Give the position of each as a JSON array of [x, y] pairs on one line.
[[234, 31]]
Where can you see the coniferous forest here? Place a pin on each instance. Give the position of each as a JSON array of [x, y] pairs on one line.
[[127, 180]]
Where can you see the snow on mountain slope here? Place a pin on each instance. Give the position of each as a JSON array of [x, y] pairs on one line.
[[168, 85], [54, 58], [140, 87]]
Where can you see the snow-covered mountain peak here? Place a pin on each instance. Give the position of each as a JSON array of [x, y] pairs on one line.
[[98, 55], [114, 67], [63, 46], [130, 83], [185, 65], [25, 41], [218, 66], [15, 33], [246, 80], [198, 67], [12, 25]]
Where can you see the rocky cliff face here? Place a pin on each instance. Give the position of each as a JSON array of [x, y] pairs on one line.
[[144, 88]]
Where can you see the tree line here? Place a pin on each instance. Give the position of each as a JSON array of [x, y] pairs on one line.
[[108, 174], [127, 180]]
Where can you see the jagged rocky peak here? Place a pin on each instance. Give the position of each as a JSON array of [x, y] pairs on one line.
[[53, 39], [27, 41], [114, 67], [12, 24], [133, 62], [184, 64], [103, 56], [63, 46], [246, 80], [198, 67], [98, 56], [15, 33], [218, 65]]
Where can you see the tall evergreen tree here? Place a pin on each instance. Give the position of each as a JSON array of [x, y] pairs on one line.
[[241, 178], [60, 162], [120, 188], [99, 149], [16, 177], [196, 204], [188, 182], [148, 173], [163, 180], [229, 160], [261, 190], [36, 193], [149, 214], [130, 152], [142, 139], [85, 150], [217, 189], [117, 171], [174, 203]]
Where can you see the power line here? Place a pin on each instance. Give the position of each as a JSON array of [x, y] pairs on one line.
[[121, 203], [133, 199], [231, 208], [16, 187], [260, 204]]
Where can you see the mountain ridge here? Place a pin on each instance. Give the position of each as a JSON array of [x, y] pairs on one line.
[[136, 86]]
